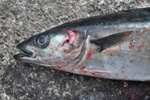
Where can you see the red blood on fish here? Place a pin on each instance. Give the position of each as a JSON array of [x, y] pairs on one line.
[[82, 68], [131, 44], [144, 32], [71, 38], [73, 69], [89, 54], [111, 54], [140, 46], [65, 50], [123, 67], [78, 47], [67, 41], [97, 74], [83, 72]]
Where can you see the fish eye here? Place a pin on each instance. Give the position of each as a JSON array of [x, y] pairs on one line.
[[42, 41]]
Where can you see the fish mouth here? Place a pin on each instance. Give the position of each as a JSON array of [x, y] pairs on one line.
[[26, 53]]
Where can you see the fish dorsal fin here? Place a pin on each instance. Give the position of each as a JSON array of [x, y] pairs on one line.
[[138, 10], [112, 40]]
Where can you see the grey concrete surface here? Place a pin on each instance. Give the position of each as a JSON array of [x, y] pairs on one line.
[[21, 19]]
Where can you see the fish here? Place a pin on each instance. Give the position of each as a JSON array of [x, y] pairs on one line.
[[112, 46]]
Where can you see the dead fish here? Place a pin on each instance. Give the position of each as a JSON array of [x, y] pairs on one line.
[[112, 46]]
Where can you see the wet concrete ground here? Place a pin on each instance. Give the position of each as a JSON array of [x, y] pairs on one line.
[[21, 19]]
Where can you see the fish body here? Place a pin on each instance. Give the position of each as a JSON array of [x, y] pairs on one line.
[[113, 46]]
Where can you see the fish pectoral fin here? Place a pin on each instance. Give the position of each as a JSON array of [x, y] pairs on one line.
[[137, 10], [112, 40]]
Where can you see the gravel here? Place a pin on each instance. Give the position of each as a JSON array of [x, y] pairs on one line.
[[21, 19]]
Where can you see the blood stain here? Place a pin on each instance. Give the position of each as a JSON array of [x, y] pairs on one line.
[[111, 54], [131, 44], [89, 54], [65, 50], [82, 68], [78, 47], [139, 47], [96, 74], [123, 67], [144, 32], [73, 69], [84, 72], [67, 41]]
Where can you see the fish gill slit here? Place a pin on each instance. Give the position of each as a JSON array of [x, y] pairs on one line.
[[80, 56]]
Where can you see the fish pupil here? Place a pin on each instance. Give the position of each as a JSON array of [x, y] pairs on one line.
[[42, 40]]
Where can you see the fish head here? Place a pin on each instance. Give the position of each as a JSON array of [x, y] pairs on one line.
[[51, 48]]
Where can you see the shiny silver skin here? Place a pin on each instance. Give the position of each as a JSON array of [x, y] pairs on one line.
[[70, 48]]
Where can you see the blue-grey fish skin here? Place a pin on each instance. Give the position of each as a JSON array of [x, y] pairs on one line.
[[113, 46]]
